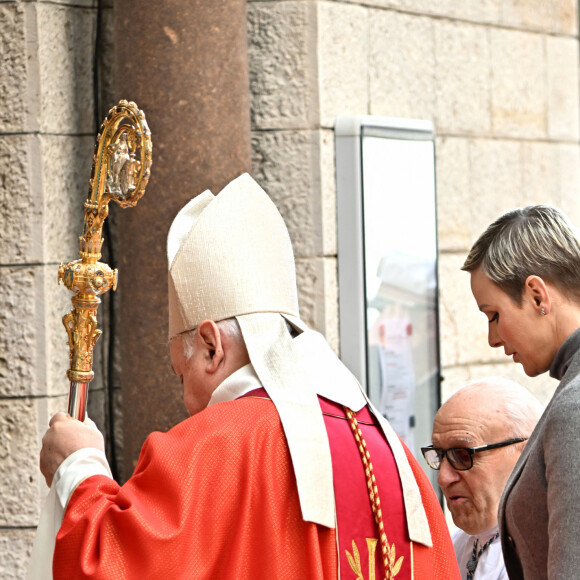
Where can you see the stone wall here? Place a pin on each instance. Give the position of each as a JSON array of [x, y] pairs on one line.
[[46, 141], [498, 78]]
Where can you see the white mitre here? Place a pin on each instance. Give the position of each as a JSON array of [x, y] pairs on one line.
[[230, 255]]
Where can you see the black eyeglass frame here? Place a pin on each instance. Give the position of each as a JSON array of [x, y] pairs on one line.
[[471, 450]]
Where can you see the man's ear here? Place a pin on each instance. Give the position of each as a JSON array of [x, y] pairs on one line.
[[210, 341], [537, 291]]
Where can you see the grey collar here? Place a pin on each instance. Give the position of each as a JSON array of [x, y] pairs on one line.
[[564, 355]]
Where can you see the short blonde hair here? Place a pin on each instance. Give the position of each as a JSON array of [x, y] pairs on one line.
[[535, 240]]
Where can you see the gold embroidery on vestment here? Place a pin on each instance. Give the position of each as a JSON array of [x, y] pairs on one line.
[[393, 569], [354, 561]]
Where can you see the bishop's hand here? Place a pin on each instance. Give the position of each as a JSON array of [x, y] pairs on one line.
[[65, 436]]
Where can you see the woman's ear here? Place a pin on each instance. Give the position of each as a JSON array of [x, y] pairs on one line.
[[210, 342], [537, 291]]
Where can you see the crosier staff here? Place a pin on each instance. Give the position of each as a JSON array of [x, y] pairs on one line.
[[120, 172]]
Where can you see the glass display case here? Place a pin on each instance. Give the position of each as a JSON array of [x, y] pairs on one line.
[[387, 268]]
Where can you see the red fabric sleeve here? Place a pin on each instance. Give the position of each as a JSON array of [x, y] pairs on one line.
[[215, 497]]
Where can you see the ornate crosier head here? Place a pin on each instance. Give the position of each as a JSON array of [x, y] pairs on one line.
[[120, 172]]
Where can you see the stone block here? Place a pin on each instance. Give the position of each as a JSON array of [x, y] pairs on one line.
[[328, 191], [15, 552], [20, 331], [20, 201], [477, 181], [569, 175], [563, 88], [463, 78], [34, 354], [542, 387], [485, 11], [519, 101], [286, 164], [495, 181], [13, 69], [81, 3], [50, 407], [318, 296], [453, 194], [66, 68], [559, 16], [282, 59], [463, 328], [342, 60], [66, 169], [402, 66], [540, 173], [506, 174], [555, 16], [310, 282], [19, 459], [331, 322]]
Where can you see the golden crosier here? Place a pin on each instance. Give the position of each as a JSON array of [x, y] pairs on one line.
[[120, 172]]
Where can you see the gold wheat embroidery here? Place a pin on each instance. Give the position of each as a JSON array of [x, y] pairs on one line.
[[354, 561], [393, 568]]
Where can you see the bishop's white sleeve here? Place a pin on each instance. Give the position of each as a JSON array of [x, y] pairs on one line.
[[71, 472]]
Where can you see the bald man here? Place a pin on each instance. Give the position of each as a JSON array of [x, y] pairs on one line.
[[478, 435]]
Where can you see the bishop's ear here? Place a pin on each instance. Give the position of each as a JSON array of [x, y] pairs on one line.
[[209, 340]]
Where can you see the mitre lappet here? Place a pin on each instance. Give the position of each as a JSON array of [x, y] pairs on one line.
[[230, 256]]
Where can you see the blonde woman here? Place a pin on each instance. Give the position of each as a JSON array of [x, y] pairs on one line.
[[525, 277]]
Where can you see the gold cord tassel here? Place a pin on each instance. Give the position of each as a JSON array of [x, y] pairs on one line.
[[392, 565]]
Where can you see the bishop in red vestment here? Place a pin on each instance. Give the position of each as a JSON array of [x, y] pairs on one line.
[[283, 470]]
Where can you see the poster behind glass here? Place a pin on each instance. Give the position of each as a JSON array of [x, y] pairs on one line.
[[387, 264], [400, 262]]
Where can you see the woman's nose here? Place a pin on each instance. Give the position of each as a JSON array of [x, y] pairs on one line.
[[493, 336]]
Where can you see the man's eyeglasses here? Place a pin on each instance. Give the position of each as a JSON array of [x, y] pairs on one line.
[[461, 458]]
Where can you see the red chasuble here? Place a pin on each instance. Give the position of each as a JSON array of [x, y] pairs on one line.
[[215, 497]]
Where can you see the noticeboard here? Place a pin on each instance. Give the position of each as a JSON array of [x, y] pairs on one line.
[[387, 269]]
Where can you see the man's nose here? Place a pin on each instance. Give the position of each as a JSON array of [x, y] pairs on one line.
[[447, 474]]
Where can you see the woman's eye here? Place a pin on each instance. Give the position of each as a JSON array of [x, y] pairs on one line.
[[494, 318]]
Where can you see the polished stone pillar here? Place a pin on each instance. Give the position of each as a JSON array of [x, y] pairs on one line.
[[184, 62]]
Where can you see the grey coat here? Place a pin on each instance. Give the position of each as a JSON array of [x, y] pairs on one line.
[[539, 513]]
